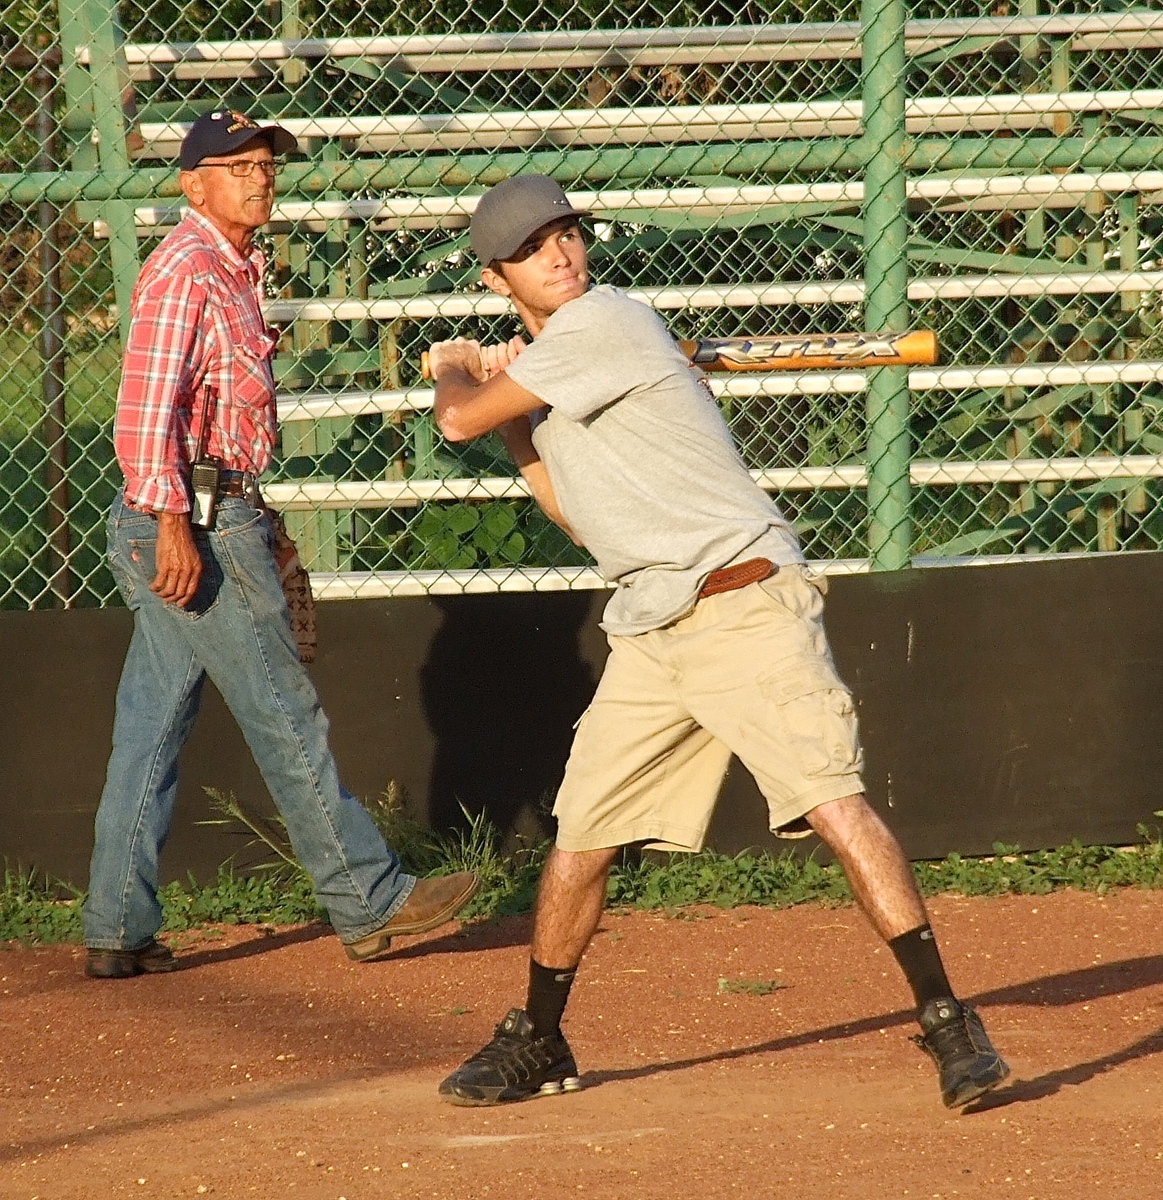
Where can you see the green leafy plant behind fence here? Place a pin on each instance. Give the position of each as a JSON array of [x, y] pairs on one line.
[[733, 176]]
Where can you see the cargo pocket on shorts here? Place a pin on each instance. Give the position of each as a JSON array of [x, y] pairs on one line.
[[817, 716]]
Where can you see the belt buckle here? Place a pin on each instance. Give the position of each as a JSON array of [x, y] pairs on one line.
[[242, 484]]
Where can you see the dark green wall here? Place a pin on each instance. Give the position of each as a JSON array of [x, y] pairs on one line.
[[1017, 703]]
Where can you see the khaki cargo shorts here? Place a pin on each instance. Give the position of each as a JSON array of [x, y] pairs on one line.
[[746, 672]]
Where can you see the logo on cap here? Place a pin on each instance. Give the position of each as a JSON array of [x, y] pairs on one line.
[[238, 120], [241, 121]]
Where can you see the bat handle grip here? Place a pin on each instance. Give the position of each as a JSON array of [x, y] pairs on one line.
[[425, 369]]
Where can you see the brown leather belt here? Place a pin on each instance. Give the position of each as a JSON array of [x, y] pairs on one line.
[[740, 575], [238, 483]]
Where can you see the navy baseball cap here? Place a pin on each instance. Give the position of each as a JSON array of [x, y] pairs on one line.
[[223, 130], [509, 212]]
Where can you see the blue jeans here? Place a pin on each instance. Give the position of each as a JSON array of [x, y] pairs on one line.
[[236, 631]]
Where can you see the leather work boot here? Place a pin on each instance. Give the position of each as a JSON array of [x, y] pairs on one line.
[[515, 1065], [432, 903], [151, 959], [953, 1035]]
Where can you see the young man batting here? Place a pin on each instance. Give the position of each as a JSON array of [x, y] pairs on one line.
[[717, 644]]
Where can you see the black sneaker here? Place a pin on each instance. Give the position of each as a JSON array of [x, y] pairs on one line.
[[968, 1064], [515, 1065]]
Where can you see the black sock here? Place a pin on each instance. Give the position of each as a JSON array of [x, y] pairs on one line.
[[919, 958], [548, 992]]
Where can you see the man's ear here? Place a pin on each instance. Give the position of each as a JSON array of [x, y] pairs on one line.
[[495, 282], [191, 185]]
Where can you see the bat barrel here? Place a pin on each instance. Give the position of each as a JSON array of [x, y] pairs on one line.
[[814, 351]]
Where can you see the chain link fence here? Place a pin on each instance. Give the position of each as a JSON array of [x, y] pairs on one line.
[[726, 157]]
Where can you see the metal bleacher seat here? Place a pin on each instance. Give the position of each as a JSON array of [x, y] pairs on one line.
[[329, 384]]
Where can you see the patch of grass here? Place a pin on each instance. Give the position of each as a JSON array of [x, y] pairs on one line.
[[268, 833], [1009, 871], [508, 881], [749, 987], [725, 880], [275, 897], [779, 882], [36, 909]]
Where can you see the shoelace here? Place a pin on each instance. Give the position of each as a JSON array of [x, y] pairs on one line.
[[955, 1037], [515, 1058], [503, 1046]]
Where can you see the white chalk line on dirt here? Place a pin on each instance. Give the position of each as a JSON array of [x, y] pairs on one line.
[[470, 1141]]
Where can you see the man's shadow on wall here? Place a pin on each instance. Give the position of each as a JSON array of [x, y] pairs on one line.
[[506, 679]]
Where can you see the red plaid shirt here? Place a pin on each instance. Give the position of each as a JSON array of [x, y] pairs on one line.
[[196, 326]]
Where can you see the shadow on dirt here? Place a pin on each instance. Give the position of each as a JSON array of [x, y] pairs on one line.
[[488, 935], [1070, 987], [1046, 1085], [1085, 983], [263, 942]]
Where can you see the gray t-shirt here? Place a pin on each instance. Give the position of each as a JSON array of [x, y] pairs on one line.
[[641, 459]]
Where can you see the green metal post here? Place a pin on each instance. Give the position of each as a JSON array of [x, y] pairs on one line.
[[886, 279], [95, 100]]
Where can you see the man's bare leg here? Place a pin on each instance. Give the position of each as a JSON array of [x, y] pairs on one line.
[[883, 884], [528, 1055], [570, 899], [871, 857]]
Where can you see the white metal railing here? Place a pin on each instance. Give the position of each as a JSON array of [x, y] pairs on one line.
[[683, 123], [372, 585], [803, 292], [372, 494], [563, 49], [314, 406], [954, 194]]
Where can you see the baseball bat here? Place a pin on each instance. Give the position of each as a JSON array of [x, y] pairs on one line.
[[803, 351], [813, 351]]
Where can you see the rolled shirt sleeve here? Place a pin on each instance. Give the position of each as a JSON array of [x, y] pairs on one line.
[[162, 354]]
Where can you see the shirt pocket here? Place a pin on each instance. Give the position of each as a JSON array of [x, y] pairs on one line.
[[251, 381]]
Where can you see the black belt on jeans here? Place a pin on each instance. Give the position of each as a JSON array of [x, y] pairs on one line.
[[238, 483], [740, 575]]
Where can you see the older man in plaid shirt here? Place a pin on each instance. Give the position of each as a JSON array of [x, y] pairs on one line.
[[207, 601]]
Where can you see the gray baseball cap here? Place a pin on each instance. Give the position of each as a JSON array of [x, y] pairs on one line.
[[509, 212]]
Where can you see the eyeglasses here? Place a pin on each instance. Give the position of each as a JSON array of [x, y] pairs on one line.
[[241, 167]]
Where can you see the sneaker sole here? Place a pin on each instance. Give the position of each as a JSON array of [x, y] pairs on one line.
[[974, 1089], [482, 1097], [378, 943]]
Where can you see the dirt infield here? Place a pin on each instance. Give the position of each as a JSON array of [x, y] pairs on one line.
[[273, 1067]]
